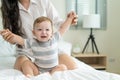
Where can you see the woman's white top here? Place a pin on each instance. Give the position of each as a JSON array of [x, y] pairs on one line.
[[36, 9]]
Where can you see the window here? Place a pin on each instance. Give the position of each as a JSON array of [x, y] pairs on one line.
[[82, 7]]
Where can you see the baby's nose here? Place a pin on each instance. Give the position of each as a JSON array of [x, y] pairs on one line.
[[43, 31]]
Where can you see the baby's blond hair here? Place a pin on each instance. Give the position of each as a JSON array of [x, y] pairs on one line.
[[41, 19]]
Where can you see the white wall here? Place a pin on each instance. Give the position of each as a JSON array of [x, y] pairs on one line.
[[108, 41]]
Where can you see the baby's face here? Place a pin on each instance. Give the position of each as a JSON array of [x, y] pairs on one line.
[[43, 31]]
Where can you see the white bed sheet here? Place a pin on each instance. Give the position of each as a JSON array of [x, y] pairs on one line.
[[84, 72]]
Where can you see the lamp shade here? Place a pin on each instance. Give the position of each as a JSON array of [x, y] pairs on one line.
[[91, 21]]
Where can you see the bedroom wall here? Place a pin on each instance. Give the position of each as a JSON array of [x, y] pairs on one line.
[[108, 41]]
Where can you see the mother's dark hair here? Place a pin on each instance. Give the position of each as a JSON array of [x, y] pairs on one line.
[[11, 16]]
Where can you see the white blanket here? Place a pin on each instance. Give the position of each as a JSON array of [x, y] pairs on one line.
[[84, 72], [78, 74]]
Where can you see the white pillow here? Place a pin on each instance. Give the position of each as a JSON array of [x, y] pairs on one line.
[[7, 62], [65, 47], [6, 49]]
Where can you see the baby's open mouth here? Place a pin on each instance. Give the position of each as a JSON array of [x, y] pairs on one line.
[[43, 36]]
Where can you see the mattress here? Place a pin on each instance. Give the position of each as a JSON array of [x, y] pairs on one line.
[[83, 72]]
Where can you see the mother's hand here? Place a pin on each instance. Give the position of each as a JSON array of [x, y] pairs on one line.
[[11, 37], [75, 19], [7, 35]]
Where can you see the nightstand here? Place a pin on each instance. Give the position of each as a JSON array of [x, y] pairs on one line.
[[97, 61]]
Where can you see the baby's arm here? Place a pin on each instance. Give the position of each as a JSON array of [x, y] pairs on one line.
[[65, 26]]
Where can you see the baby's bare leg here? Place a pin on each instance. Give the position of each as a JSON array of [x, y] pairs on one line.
[[68, 61], [60, 67], [19, 61], [29, 69]]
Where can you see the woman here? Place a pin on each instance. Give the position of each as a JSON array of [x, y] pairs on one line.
[[18, 17]]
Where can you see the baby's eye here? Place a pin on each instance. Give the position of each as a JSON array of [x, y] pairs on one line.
[[47, 29], [39, 29]]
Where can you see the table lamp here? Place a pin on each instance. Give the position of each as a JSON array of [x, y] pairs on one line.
[[91, 21]]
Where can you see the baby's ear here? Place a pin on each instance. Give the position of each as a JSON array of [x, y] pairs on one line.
[[33, 32]]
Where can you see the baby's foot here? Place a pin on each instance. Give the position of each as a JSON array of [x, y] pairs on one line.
[[29, 76]]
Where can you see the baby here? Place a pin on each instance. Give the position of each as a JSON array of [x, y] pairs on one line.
[[42, 50]]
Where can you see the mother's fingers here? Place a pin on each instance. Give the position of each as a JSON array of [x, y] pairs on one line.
[[76, 16], [8, 37], [2, 32], [75, 20]]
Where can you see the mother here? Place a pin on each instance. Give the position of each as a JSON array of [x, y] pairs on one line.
[[18, 17]]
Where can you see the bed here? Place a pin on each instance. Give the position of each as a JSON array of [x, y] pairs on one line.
[[83, 72]]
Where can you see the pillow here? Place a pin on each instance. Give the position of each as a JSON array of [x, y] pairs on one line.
[[7, 62], [65, 47], [6, 49], [1, 26]]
